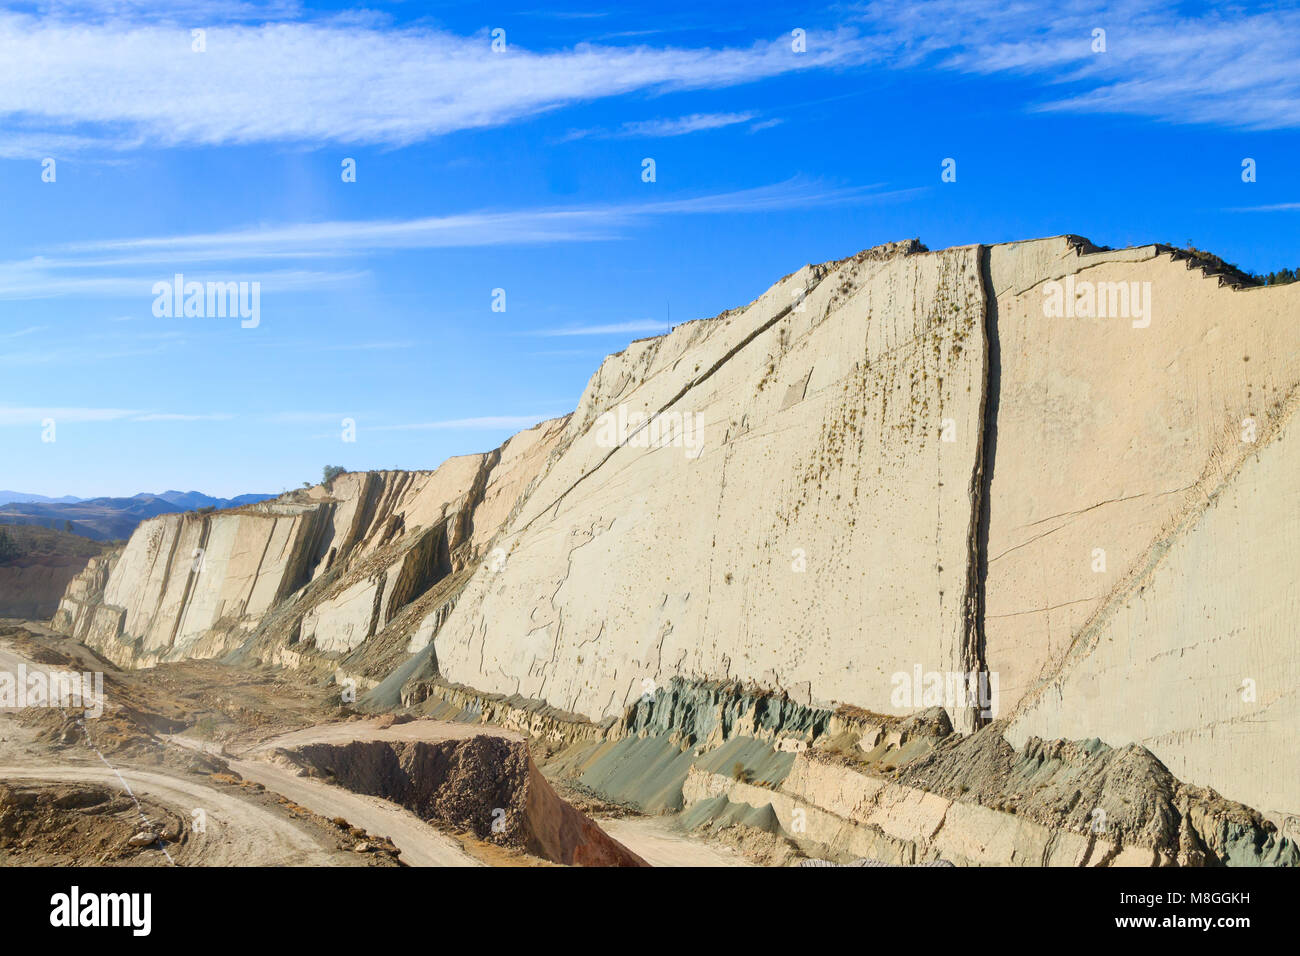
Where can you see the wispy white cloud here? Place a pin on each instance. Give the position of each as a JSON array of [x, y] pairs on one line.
[[349, 237], [193, 11], [661, 128], [41, 278], [1275, 207], [67, 354], [34, 415], [1230, 66], [274, 74], [369, 346], [42, 144], [96, 267], [335, 80], [491, 422], [183, 417], [296, 417], [86, 348], [570, 353], [614, 328]]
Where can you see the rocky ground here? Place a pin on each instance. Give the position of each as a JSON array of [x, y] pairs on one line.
[[199, 763], [207, 763]]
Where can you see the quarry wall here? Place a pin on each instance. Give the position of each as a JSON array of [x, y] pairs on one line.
[[1062, 469], [820, 454]]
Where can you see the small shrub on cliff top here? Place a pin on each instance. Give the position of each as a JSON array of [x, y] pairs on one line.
[[330, 472]]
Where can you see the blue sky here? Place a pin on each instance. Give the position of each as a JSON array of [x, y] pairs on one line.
[[522, 170]]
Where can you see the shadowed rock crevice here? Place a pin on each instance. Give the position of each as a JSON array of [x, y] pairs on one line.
[[983, 477]]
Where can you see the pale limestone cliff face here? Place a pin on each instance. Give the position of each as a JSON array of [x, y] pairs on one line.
[[821, 450], [904, 464], [1108, 435], [183, 576], [339, 563], [1165, 448], [84, 594], [1195, 655]]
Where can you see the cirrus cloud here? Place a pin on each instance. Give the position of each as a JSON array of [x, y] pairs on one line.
[[332, 80]]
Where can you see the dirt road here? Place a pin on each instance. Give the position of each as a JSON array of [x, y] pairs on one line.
[[421, 843], [656, 841], [346, 731], [237, 832]]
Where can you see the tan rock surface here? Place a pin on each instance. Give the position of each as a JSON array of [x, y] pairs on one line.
[[890, 464]]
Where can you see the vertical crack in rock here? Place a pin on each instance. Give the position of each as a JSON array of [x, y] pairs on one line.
[[196, 568], [311, 538], [974, 658], [256, 576], [372, 489], [425, 564], [167, 575], [475, 497], [381, 582]]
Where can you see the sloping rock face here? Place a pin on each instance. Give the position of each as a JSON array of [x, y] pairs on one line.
[[84, 595], [305, 578], [1125, 800], [1037, 482], [770, 551], [1143, 507]]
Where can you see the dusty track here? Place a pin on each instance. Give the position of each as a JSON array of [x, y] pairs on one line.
[[659, 844], [421, 844], [342, 732], [237, 832]]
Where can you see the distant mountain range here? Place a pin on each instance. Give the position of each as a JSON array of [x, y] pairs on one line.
[[106, 519], [18, 497]]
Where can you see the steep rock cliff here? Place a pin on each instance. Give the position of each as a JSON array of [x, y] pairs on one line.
[[885, 471]]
